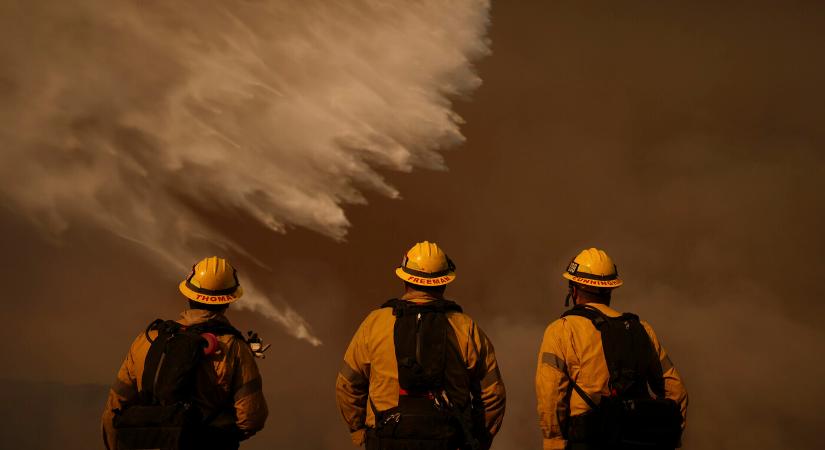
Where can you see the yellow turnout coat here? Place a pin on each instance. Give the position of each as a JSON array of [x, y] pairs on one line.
[[229, 382], [572, 347], [370, 369]]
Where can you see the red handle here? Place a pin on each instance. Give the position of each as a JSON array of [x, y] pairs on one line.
[[211, 343]]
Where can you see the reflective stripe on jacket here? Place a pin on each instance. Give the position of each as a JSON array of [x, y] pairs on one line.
[[229, 382], [370, 368], [572, 347]]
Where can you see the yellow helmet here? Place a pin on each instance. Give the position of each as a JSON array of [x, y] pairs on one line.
[[592, 267], [425, 264], [213, 281]]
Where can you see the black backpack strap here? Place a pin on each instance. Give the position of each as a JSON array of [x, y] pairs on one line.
[[587, 399], [446, 306], [401, 307], [218, 328], [590, 313], [390, 303], [155, 356], [598, 319], [152, 326]]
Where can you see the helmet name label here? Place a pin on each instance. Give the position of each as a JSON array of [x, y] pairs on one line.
[[591, 282], [214, 298], [429, 281]]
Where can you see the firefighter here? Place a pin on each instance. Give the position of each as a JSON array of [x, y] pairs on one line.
[[226, 383], [419, 373], [580, 399]]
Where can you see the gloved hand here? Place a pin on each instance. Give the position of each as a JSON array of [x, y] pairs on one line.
[[256, 344]]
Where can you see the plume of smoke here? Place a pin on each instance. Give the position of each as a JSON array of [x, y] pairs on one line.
[[153, 120]]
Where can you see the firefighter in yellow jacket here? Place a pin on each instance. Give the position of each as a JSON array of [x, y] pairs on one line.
[[419, 373], [574, 383], [227, 382]]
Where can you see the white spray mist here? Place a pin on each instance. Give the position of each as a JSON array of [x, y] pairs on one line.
[[138, 116]]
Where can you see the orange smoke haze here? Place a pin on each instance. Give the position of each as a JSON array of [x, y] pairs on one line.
[[683, 138]]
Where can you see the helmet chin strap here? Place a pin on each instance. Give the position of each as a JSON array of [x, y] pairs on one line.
[[569, 295]]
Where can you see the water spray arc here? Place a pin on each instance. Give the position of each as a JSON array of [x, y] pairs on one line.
[[281, 110]]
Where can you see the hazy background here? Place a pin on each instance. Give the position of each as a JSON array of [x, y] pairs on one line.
[[686, 139]]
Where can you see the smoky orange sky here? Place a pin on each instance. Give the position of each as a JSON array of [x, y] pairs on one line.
[[685, 138]]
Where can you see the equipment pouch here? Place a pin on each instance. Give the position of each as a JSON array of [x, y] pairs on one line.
[[156, 426], [416, 418], [645, 423], [374, 442]]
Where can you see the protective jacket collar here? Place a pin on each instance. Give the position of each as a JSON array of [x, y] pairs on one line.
[[191, 317], [419, 297], [606, 310]]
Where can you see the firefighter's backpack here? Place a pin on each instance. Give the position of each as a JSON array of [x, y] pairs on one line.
[[629, 418], [164, 415], [421, 342]]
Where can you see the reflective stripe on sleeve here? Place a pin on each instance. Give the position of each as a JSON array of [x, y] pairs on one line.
[[667, 364], [491, 378], [250, 387], [352, 375], [552, 360]]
